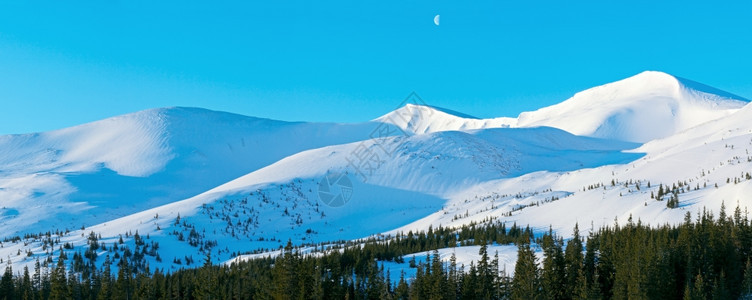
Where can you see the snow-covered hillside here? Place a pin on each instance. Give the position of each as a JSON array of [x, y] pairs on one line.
[[418, 119], [95, 172], [709, 165], [641, 108], [441, 162], [196, 181]]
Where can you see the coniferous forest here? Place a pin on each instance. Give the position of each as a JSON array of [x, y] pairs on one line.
[[706, 257]]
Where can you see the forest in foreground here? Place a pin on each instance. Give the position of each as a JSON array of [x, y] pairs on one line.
[[705, 257]]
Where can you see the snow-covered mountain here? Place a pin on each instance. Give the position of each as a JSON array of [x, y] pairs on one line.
[[641, 108], [233, 184], [95, 172]]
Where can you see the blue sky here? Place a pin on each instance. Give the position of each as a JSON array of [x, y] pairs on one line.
[[64, 63]]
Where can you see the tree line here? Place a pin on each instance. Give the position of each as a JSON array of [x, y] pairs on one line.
[[702, 258]]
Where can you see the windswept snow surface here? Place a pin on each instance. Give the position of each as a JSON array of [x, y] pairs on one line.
[[644, 107]]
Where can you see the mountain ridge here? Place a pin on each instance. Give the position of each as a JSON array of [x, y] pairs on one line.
[[127, 163], [640, 108], [248, 184]]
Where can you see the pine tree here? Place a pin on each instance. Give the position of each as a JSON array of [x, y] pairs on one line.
[[452, 278], [106, 280], [698, 291], [58, 283], [505, 290], [470, 284], [284, 274], [27, 290], [581, 290], [437, 278], [573, 260], [659, 197], [746, 291], [720, 290], [688, 292], [525, 284], [36, 279], [553, 280], [45, 286], [206, 283], [418, 288], [497, 280], [589, 261], [486, 276], [7, 290], [123, 287], [402, 290], [74, 285]]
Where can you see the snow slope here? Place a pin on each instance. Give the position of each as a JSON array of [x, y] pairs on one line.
[[641, 108], [438, 163], [418, 119], [711, 161], [95, 172]]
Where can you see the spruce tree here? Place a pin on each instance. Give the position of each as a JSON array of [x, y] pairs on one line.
[[7, 290], [36, 279], [123, 287], [525, 284], [688, 292], [485, 274], [402, 290], [553, 273], [573, 260], [438, 278], [106, 280], [27, 290], [452, 278], [698, 291], [720, 290], [746, 291], [589, 261], [581, 290], [497, 280], [505, 290], [58, 283], [470, 284], [284, 274]]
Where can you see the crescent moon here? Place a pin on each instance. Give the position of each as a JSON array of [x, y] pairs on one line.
[[436, 19]]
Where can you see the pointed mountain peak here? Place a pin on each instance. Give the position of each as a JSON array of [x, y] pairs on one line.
[[419, 119], [427, 109]]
